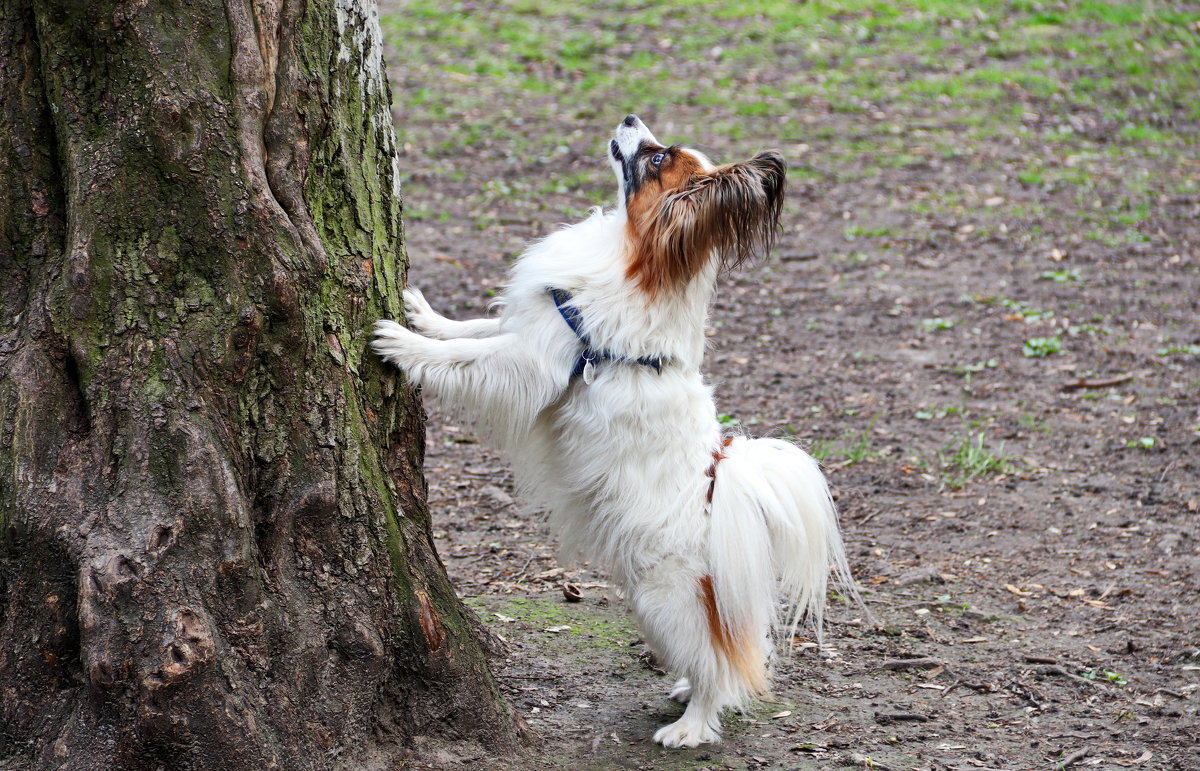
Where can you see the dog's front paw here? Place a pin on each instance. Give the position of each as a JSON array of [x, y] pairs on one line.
[[391, 341], [682, 690], [418, 310], [686, 732]]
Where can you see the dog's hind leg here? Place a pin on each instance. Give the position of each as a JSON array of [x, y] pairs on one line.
[[674, 604], [700, 723]]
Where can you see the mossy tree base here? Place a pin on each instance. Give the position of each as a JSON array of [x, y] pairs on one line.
[[204, 560]]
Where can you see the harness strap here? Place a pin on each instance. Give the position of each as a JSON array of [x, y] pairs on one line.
[[570, 313]]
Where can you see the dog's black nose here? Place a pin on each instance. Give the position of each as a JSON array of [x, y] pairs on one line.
[[631, 120]]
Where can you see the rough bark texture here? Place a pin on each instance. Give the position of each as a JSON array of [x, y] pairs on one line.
[[204, 561]]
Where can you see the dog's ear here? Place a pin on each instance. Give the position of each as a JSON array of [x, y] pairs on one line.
[[733, 210]]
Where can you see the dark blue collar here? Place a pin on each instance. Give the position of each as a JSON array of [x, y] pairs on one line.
[[570, 313]]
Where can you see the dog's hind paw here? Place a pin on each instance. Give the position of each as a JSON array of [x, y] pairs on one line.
[[686, 732], [682, 690]]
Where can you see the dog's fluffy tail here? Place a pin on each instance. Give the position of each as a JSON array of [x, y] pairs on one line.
[[774, 530]]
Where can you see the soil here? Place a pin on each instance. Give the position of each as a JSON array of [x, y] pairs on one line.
[[1050, 602]]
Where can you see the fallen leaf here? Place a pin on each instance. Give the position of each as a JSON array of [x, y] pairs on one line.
[[785, 713], [1018, 592], [562, 628], [1140, 759]]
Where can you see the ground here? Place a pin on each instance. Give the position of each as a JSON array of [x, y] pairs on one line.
[[981, 317]]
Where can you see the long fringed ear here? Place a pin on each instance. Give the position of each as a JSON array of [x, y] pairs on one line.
[[734, 210]]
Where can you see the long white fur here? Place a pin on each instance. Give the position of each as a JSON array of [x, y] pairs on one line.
[[620, 463]]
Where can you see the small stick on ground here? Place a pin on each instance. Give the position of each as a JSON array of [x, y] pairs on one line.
[[1057, 670], [884, 718], [1074, 757], [1097, 382], [924, 662]]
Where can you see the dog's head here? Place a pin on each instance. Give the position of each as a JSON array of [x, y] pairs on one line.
[[683, 212]]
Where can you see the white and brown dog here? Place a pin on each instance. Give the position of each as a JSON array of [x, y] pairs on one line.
[[589, 380]]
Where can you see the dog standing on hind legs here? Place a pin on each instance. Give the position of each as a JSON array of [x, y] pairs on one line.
[[589, 381]]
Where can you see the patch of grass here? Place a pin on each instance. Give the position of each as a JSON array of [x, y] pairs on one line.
[[486, 76], [858, 231], [850, 447], [1034, 423], [1031, 176], [970, 369], [1190, 349], [969, 458], [1039, 347], [1143, 133], [936, 413], [932, 325], [1104, 674], [1061, 276], [555, 618], [1025, 311]]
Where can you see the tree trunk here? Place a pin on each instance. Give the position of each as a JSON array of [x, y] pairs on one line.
[[204, 559]]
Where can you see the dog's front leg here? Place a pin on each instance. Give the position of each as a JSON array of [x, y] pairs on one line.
[[504, 381], [430, 323]]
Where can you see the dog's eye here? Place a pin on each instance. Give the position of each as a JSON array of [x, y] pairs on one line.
[[658, 158]]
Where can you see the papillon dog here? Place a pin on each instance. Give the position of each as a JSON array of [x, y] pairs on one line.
[[589, 381]]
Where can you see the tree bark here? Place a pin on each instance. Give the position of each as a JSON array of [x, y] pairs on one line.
[[214, 547]]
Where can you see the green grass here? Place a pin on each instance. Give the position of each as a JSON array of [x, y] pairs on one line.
[[554, 619], [1189, 349], [936, 324], [1061, 276], [1091, 101], [969, 458], [850, 447], [1040, 347], [489, 59]]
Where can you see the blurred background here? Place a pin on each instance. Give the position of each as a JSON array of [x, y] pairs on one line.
[[506, 106]]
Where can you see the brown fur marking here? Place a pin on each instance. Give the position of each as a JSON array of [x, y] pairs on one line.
[[651, 271], [717, 456], [679, 218], [739, 650]]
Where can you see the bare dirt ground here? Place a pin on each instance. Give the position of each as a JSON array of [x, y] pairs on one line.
[[1023, 526]]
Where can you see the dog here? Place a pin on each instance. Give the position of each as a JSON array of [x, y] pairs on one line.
[[589, 381]]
